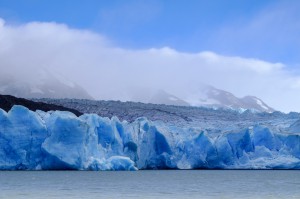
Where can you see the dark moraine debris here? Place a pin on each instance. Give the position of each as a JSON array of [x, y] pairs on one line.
[[8, 101]]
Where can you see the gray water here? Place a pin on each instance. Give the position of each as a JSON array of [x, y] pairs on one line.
[[150, 184]]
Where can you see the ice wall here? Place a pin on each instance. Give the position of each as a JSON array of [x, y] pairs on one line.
[[60, 140]]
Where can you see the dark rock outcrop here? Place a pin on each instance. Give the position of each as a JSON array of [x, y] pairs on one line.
[[8, 101]]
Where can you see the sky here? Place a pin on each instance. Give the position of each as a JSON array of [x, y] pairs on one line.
[[245, 47]]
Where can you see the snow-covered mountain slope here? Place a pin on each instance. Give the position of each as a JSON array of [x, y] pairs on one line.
[[204, 96], [152, 96], [212, 97], [60, 140], [162, 97], [40, 84]]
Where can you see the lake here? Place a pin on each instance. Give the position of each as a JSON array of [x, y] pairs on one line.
[[151, 184]]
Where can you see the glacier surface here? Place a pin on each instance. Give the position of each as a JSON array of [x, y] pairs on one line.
[[61, 140]]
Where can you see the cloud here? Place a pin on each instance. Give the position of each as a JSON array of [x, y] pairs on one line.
[[107, 71]]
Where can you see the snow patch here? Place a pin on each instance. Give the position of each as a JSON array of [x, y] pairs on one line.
[[36, 90], [260, 103], [173, 98]]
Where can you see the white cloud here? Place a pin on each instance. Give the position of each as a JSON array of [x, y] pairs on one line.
[[106, 70]]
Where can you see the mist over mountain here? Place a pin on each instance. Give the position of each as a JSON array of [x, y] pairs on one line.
[[41, 84], [47, 84]]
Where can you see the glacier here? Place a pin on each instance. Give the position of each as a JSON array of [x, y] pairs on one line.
[[59, 140]]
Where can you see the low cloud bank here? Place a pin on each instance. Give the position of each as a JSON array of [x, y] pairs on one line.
[[108, 72]]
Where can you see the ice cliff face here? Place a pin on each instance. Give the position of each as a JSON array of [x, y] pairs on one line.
[[60, 140]]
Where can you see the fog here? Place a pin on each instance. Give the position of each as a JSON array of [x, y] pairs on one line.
[[107, 71]]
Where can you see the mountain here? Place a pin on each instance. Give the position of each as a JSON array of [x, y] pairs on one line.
[[45, 84], [41, 84], [205, 96], [162, 97], [153, 96], [210, 96]]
